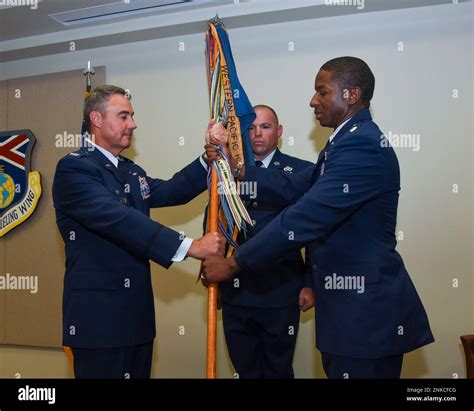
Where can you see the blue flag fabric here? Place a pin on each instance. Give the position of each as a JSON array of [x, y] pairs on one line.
[[243, 107]]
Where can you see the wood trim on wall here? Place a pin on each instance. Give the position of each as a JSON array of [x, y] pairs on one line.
[[3, 125], [51, 106]]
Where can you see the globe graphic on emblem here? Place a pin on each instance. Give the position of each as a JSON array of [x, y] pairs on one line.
[[7, 190]]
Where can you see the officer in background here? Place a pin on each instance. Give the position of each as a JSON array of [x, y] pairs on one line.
[[261, 312], [103, 203]]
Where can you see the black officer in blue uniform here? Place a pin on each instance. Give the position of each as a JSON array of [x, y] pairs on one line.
[[261, 312], [368, 313], [102, 203]]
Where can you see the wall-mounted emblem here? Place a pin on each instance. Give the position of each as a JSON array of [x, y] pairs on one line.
[[20, 188]]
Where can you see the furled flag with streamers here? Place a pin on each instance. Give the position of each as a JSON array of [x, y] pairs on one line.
[[231, 107]]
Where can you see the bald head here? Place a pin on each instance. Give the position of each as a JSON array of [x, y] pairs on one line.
[[264, 132], [265, 107]]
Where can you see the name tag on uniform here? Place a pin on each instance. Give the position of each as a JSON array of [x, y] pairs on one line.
[[144, 187]]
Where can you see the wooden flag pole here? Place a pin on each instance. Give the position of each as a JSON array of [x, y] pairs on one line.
[[212, 290], [233, 214]]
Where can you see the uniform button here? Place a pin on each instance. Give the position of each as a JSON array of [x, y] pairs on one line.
[[255, 204], [314, 267], [123, 201], [117, 191]]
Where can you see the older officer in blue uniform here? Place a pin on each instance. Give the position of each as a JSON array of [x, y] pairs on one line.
[[261, 312], [102, 203], [368, 312]]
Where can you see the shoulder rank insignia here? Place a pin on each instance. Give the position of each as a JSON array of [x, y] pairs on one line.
[[127, 160], [288, 168]]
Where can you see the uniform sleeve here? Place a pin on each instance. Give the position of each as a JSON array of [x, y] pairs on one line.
[[80, 194], [354, 174], [308, 265], [276, 187], [179, 189], [308, 270]]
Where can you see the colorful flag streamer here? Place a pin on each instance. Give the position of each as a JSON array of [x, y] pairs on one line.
[[231, 107]]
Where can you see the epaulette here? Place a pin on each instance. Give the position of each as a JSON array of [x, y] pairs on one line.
[[78, 153], [354, 127], [122, 158]]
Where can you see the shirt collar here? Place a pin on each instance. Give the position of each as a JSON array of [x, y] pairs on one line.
[[266, 161], [114, 160], [331, 137]]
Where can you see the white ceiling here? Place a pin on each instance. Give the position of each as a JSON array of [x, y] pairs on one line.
[[34, 18], [26, 32]]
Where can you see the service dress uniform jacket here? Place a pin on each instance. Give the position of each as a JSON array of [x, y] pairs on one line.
[[345, 208], [103, 213]]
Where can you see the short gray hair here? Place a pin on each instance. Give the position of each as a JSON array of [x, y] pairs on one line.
[[96, 100]]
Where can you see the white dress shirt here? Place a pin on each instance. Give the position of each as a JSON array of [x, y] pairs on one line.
[[331, 137], [267, 160]]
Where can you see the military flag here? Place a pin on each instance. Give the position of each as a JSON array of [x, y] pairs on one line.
[[230, 106]]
